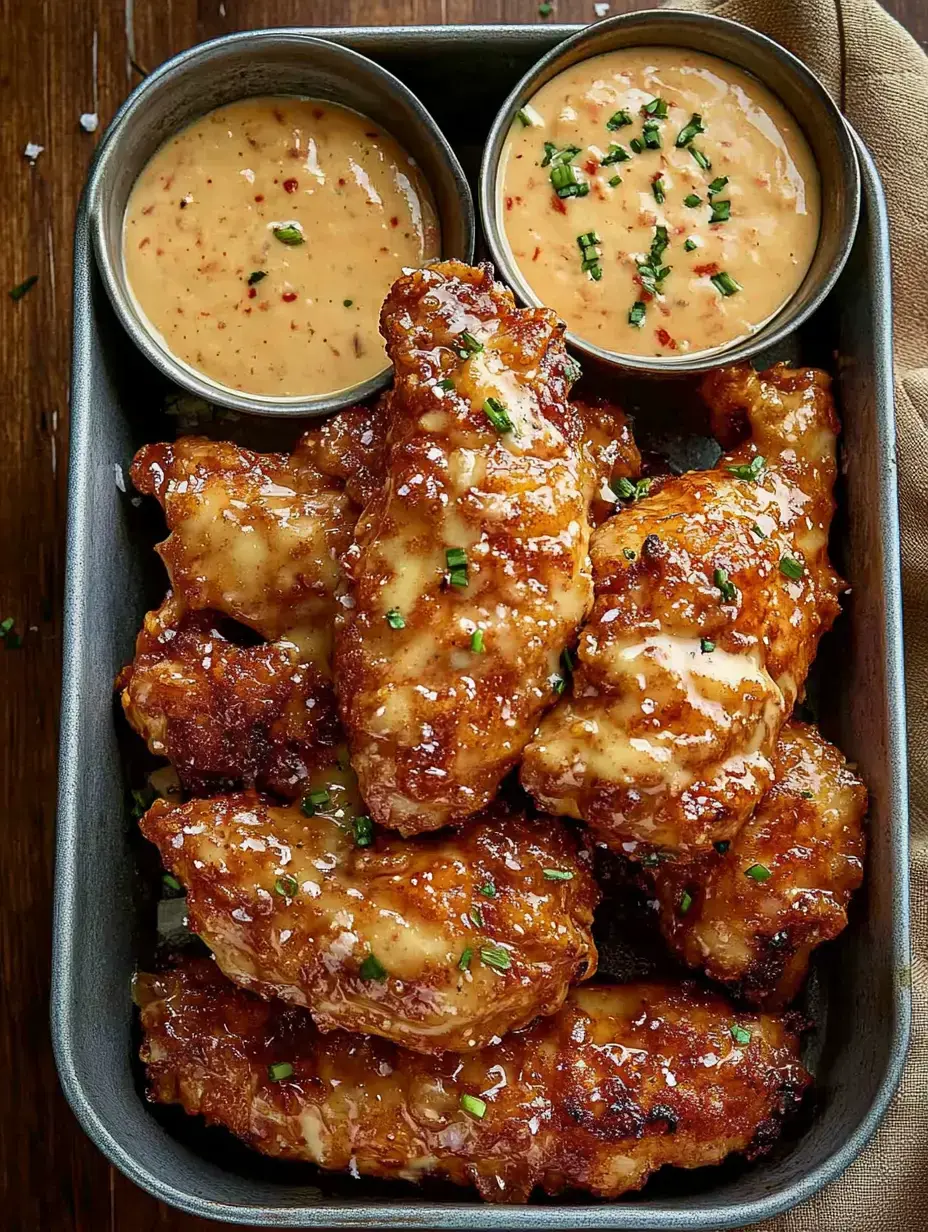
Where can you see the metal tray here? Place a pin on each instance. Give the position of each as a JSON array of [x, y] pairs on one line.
[[862, 1001]]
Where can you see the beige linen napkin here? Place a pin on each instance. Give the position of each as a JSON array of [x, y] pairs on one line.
[[879, 76]]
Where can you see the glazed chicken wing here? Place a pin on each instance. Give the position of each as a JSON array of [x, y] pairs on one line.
[[441, 942], [751, 914], [711, 595], [621, 1081], [470, 569], [224, 713]]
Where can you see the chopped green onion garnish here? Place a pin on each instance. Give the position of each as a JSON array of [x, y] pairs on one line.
[[288, 235], [19, 291], [363, 828], [171, 883], [657, 187], [630, 491], [689, 245], [701, 159], [6, 625], [722, 845], [618, 120], [550, 151], [470, 1103], [587, 240], [616, 154], [395, 618], [692, 201], [286, 886], [651, 135], [446, 384], [563, 175], [717, 185], [658, 244], [758, 872], [256, 276], [629, 553], [372, 969], [545, 10], [739, 1035], [464, 960], [636, 314], [496, 957], [807, 795], [615, 181], [749, 471], [572, 370], [791, 568], [721, 211], [686, 135], [467, 344], [727, 588], [757, 531], [656, 107], [725, 284], [497, 415], [706, 645], [686, 901], [523, 118], [346, 303], [557, 874], [279, 1071], [488, 890], [637, 146], [456, 560], [476, 917], [476, 641]]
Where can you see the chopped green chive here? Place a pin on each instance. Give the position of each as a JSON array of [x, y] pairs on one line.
[[488, 890], [692, 201], [656, 107], [496, 957], [657, 188], [636, 314], [314, 801], [470, 1103], [279, 1071], [807, 795], [467, 344], [758, 872], [739, 1035], [637, 146], [256, 276], [749, 471], [587, 243], [347, 303], [616, 154], [289, 235], [523, 118], [725, 284], [572, 370], [171, 883], [619, 119], [395, 619], [726, 587], [446, 384], [651, 135], [476, 917], [722, 845], [689, 245], [701, 159], [631, 491], [717, 185], [557, 874], [721, 211], [545, 10], [686, 134], [464, 960], [791, 568], [363, 828], [142, 798], [629, 553], [19, 291], [456, 560], [615, 181], [286, 886], [476, 641], [686, 901], [706, 645], [6, 625], [550, 151], [372, 969], [497, 415], [564, 180], [757, 531]]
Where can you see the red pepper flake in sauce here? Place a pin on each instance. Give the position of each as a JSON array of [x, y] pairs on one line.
[[509, 203], [288, 297], [591, 166], [536, 254], [252, 292], [706, 270], [558, 204], [259, 197], [665, 339], [394, 221], [291, 185]]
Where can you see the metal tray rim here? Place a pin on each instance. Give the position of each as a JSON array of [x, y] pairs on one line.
[[671, 1215]]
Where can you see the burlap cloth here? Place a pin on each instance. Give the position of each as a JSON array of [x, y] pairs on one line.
[[879, 76]]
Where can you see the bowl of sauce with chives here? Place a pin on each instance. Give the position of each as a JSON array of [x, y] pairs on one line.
[[665, 200]]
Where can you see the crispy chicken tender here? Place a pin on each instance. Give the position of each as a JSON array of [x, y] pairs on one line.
[[711, 595], [751, 915], [620, 1082], [441, 942], [224, 713], [470, 570]]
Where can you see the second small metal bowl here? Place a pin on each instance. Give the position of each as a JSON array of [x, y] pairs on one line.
[[788, 78], [239, 66]]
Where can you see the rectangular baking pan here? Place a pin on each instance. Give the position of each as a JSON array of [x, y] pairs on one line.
[[862, 997]]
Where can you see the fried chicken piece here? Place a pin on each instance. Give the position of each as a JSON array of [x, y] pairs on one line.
[[254, 536], [711, 595], [620, 1082], [441, 942], [349, 448], [470, 569], [223, 713], [751, 914], [611, 451]]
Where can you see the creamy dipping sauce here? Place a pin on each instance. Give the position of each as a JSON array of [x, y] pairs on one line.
[[261, 240], [664, 202]]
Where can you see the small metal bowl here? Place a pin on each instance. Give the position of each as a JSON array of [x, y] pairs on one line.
[[281, 62], [798, 89]]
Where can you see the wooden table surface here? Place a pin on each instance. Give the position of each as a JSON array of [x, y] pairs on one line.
[[57, 60]]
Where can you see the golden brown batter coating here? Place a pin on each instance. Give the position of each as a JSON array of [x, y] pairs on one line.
[[472, 934], [751, 915], [623, 1080], [223, 713], [711, 595], [611, 450], [470, 569], [349, 448]]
